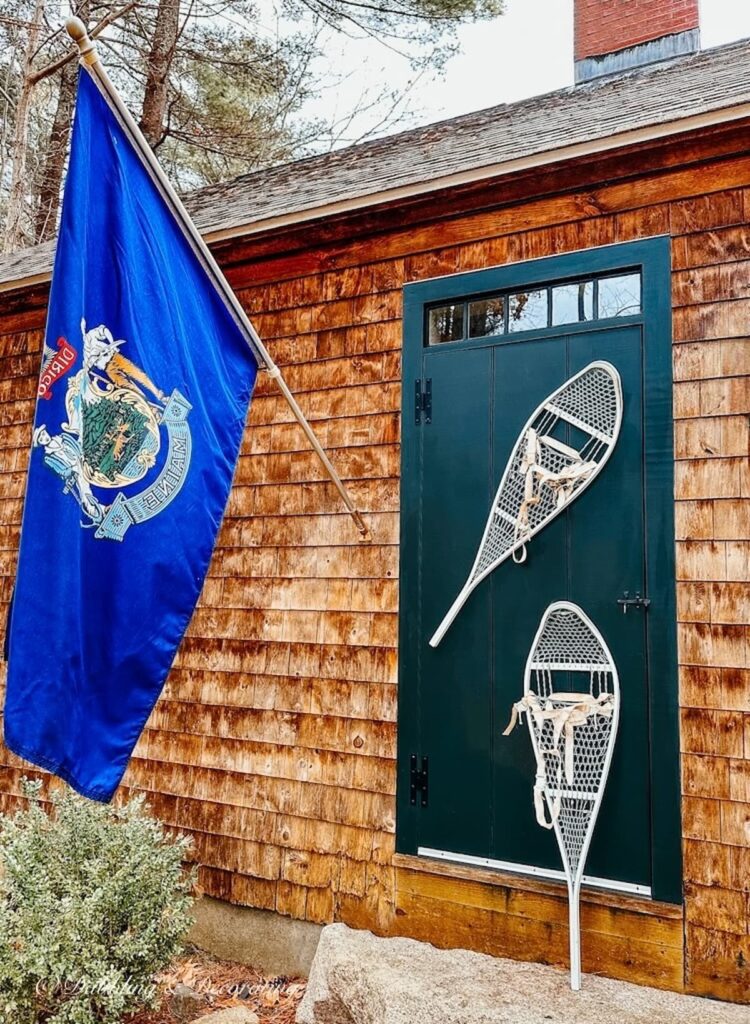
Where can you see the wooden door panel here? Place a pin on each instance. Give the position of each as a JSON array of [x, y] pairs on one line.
[[456, 491], [607, 555], [525, 374]]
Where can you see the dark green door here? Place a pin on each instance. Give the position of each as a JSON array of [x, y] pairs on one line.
[[458, 697]]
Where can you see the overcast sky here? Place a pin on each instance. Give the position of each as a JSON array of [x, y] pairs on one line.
[[528, 51]]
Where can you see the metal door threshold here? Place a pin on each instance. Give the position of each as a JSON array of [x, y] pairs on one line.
[[549, 874]]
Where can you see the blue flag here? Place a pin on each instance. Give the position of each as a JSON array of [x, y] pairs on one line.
[[143, 394]]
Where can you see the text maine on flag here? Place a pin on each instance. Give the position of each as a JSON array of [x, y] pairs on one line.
[[143, 395]]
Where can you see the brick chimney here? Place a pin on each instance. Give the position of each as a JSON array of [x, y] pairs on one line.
[[614, 35]]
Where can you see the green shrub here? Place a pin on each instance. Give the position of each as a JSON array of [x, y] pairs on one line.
[[94, 901]]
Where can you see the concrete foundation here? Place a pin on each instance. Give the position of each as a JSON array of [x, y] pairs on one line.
[[268, 941]]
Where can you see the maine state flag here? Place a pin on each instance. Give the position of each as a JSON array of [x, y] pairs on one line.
[[143, 394]]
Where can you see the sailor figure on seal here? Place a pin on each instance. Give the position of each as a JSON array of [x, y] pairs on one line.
[[64, 456]]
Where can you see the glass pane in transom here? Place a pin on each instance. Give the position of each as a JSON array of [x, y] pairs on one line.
[[619, 296], [528, 310], [445, 323], [487, 316], [573, 303]]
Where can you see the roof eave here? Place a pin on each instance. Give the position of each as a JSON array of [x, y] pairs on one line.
[[487, 172]]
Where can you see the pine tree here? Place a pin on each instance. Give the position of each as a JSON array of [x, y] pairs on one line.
[[105, 422]]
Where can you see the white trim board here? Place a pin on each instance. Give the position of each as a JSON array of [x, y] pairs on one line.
[[548, 874]]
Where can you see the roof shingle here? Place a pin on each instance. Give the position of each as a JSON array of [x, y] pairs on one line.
[[684, 87]]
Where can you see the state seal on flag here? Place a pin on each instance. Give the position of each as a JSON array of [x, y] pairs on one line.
[[117, 421]]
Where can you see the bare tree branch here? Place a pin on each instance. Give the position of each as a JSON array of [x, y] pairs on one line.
[[56, 65]]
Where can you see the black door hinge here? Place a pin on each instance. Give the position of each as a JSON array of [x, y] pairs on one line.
[[423, 400], [418, 780]]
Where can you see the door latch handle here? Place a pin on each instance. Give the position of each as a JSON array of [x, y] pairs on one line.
[[626, 601]]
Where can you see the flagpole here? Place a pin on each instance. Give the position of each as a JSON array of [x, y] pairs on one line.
[[90, 60]]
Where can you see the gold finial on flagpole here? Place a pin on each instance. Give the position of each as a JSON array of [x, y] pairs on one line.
[[80, 35]]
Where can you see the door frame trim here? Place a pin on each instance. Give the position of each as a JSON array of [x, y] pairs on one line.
[[652, 256]]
